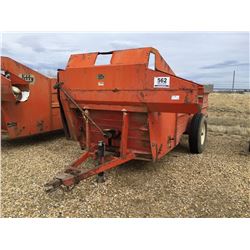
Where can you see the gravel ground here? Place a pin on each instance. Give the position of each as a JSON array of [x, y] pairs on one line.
[[213, 184]]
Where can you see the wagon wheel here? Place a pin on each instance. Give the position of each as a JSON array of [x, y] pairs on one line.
[[198, 133]]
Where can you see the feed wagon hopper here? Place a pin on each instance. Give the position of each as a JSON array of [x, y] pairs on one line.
[[29, 104], [128, 109]]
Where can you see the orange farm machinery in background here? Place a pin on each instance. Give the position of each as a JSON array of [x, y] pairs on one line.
[[131, 108], [29, 103]]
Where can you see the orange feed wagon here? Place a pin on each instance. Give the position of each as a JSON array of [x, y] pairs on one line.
[[29, 103], [127, 109]]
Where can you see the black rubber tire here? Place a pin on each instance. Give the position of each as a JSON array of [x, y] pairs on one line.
[[196, 144]]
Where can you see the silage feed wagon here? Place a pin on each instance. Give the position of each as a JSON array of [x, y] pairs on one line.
[[29, 104], [128, 109]]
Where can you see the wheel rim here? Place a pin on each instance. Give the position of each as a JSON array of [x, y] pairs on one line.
[[203, 133]]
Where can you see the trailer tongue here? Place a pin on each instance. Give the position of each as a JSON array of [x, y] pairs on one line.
[[125, 110]]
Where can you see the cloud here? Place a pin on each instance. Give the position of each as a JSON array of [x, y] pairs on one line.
[[200, 56], [230, 63], [45, 43], [116, 45]]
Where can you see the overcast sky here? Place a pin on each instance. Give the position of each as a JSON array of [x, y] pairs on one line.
[[201, 57]]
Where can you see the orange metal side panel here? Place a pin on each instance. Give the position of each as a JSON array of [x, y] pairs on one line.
[[82, 60], [37, 114], [162, 133], [122, 57], [119, 81], [141, 56]]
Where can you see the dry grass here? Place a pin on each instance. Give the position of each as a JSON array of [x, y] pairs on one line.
[[230, 130], [229, 113]]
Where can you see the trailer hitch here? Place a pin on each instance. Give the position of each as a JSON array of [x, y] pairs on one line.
[[52, 185], [57, 183]]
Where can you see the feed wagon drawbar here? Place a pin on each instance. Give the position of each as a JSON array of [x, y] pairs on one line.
[[134, 107], [29, 104]]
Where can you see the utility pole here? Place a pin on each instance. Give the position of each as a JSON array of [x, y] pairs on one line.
[[233, 81]]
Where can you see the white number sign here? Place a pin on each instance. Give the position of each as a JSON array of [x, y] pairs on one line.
[[162, 82]]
